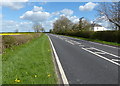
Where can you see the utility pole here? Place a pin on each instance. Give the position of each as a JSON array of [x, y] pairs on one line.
[[80, 22], [93, 24]]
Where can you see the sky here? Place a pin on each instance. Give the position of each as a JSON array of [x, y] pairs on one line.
[[23, 15]]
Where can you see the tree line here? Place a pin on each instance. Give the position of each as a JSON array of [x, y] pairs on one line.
[[63, 24], [111, 11]]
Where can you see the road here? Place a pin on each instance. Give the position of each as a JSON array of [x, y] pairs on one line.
[[87, 62]]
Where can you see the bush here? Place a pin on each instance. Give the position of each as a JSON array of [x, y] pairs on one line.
[[8, 41], [110, 36], [14, 40]]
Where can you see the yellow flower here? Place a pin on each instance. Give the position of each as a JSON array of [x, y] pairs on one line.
[[26, 72], [35, 75], [17, 80], [49, 75]]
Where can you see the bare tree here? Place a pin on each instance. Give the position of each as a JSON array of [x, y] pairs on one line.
[[84, 25], [111, 11], [42, 29], [38, 27], [16, 30]]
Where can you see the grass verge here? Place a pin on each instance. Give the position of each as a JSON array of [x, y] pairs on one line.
[[0, 69], [29, 63], [98, 41]]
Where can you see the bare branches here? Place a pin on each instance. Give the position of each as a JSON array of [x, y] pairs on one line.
[[38, 28], [111, 11]]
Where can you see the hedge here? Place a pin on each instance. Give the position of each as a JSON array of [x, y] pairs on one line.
[[110, 36]]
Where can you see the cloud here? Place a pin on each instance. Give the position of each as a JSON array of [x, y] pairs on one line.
[[36, 8], [13, 4], [88, 6], [11, 26], [14, 1], [55, 13], [38, 16], [74, 19], [1, 16], [67, 12]]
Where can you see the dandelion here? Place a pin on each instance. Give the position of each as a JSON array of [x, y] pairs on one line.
[[35, 76], [49, 75], [17, 80]]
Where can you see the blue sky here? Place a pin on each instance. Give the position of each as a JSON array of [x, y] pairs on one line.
[[22, 16]]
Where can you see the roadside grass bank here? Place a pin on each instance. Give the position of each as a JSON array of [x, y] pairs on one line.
[[29, 63], [16, 33], [97, 41], [13, 39], [0, 69]]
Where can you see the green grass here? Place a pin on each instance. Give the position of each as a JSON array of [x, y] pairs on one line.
[[0, 69], [29, 63], [98, 41]]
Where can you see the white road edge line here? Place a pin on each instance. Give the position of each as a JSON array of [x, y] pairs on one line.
[[64, 78], [102, 57]]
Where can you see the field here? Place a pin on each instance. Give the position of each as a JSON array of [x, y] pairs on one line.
[[29, 63]]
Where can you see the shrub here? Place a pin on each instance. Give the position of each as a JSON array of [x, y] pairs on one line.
[[8, 41], [110, 36], [14, 40]]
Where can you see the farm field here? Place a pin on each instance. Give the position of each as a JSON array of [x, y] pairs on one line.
[[29, 63]]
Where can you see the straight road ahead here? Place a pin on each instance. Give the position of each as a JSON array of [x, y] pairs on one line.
[[87, 62]]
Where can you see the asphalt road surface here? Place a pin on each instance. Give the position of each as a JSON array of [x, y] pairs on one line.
[[87, 62]]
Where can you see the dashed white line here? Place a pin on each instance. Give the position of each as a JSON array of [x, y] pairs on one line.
[[82, 45], [99, 51], [102, 57], [96, 43], [107, 53]]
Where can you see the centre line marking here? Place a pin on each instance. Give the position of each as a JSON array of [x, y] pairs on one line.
[[102, 57], [107, 53], [116, 60]]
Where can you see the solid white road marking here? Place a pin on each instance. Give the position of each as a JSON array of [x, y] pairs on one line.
[[92, 48], [107, 53], [102, 57], [64, 78], [116, 60], [100, 52]]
